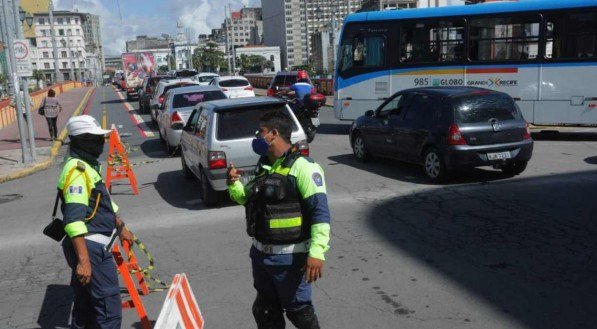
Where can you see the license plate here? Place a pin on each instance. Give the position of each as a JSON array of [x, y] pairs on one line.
[[498, 156], [315, 121]]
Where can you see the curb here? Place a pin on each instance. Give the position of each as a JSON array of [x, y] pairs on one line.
[[54, 151]]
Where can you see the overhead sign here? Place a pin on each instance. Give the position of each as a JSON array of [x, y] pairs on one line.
[[23, 57]]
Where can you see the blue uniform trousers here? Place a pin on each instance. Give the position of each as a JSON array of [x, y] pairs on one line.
[[280, 280], [98, 304]]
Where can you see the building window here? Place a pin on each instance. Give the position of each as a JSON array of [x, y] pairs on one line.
[[60, 32], [68, 20], [432, 42], [63, 54], [46, 65], [44, 43], [504, 38], [80, 53], [41, 21], [64, 65], [60, 21], [69, 32], [572, 35], [288, 13], [77, 20], [78, 32], [46, 54]]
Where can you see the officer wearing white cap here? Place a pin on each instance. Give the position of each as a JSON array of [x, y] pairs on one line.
[[90, 222]]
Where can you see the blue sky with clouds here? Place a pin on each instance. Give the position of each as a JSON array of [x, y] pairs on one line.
[[124, 19]]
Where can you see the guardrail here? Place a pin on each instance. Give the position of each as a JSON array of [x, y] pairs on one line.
[[8, 113], [324, 86]]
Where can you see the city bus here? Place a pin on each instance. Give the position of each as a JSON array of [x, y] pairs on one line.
[[543, 53]]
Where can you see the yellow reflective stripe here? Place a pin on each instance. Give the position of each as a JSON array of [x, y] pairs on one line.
[[282, 171], [286, 222], [75, 229]]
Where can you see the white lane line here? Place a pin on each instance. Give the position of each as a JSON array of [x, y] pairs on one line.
[[143, 127]]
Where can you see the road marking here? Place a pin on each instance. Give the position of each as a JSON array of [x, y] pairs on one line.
[[104, 112], [144, 129]]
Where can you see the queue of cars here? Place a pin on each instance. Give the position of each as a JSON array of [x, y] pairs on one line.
[[444, 129]]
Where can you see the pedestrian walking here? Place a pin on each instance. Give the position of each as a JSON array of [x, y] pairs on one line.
[[51, 107], [91, 223], [289, 220]]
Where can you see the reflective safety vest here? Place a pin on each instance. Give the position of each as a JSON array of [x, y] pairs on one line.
[[87, 205], [273, 210]]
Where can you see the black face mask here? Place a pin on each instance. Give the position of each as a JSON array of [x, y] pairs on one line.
[[90, 146]]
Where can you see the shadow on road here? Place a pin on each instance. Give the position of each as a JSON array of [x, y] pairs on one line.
[[114, 101], [184, 193], [412, 173], [154, 148], [552, 135], [56, 307], [333, 129], [525, 246]]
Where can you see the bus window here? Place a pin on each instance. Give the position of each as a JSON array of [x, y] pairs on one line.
[[362, 51], [504, 38], [571, 35], [432, 42]]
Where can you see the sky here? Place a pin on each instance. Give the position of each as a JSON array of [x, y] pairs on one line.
[[122, 20]]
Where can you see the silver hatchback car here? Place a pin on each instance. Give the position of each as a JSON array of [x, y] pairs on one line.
[[176, 109], [220, 132]]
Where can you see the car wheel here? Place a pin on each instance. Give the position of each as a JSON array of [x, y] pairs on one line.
[[359, 149], [208, 194], [185, 169], [434, 166], [515, 168]]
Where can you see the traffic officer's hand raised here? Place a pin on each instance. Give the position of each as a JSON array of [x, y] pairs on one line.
[[313, 269], [233, 174]]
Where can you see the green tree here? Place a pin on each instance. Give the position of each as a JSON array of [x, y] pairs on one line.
[[38, 75], [310, 70], [209, 58], [254, 63], [3, 85], [163, 68]]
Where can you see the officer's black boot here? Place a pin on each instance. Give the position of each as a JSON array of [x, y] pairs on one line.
[[268, 316], [303, 318]]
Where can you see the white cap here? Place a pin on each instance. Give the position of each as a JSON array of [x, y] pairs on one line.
[[84, 124]]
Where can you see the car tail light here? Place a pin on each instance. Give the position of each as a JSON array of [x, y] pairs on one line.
[[303, 147], [455, 136], [224, 89], [176, 121], [271, 92], [217, 159], [249, 88], [161, 99], [527, 131]]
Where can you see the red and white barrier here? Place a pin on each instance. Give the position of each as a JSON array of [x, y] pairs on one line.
[[180, 309]]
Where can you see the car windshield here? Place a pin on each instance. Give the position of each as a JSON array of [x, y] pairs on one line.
[[192, 98], [207, 78], [181, 84], [244, 122], [483, 108], [234, 83]]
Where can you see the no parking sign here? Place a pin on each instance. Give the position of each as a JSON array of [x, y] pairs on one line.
[[23, 57]]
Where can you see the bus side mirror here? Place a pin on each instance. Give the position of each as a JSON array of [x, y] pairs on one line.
[[369, 113]]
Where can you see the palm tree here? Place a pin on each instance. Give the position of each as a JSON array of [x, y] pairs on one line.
[[38, 75]]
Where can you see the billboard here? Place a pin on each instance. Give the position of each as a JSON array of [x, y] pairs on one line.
[[137, 66]]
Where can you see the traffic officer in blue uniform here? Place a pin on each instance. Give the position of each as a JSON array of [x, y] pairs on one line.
[[288, 217], [91, 224]]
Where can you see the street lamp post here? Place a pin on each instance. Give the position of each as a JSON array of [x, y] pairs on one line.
[[57, 73]]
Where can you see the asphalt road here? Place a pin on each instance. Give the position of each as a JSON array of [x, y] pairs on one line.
[[482, 251]]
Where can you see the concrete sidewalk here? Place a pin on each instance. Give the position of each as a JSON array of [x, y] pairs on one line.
[[11, 166]]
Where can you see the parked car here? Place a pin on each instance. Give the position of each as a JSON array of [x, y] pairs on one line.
[[234, 86], [220, 132], [146, 91], [446, 128], [204, 78], [283, 79], [163, 86], [176, 109]]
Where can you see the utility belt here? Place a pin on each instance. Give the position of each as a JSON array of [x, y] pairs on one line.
[[106, 241], [282, 249]]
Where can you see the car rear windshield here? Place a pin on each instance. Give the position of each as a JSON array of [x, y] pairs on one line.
[[206, 78], [182, 84], [153, 81], [244, 122], [483, 108], [192, 98], [234, 83]]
